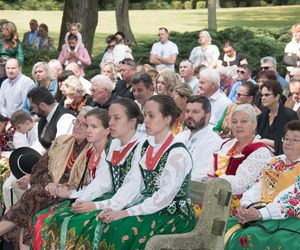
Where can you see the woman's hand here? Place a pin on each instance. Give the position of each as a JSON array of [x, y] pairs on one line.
[[109, 216], [81, 207], [245, 215], [63, 192], [52, 188]]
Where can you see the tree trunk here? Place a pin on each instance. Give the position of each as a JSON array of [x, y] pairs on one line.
[[218, 5], [212, 17], [122, 17], [84, 12]]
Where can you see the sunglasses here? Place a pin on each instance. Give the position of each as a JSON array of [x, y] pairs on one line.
[[127, 63], [239, 95], [266, 95], [241, 72], [265, 68]]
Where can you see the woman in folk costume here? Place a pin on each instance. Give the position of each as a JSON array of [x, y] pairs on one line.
[[62, 164], [76, 227], [269, 212], [241, 159], [154, 197]]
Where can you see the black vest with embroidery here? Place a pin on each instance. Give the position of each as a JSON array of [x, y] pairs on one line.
[[181, 203], [119, 172], [51, 129]]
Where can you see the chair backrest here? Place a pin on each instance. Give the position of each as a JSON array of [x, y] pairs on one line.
[[215, 197]]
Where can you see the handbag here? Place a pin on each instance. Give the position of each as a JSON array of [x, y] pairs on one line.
[[290, 59]]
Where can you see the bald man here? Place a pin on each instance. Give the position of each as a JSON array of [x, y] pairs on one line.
[[74, 67], [14, 89]]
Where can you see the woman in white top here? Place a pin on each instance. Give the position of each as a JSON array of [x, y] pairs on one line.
[[272, 204], [206, 54], [68, 226], [154, 197]]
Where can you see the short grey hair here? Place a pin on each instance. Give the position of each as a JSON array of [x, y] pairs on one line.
[[208, 37], [54, 63], [246, 108], [269, 59], [211, 75], [73, 85], [103, 81]]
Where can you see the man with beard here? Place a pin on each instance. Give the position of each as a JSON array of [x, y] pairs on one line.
[[200, 139], [55, 121]]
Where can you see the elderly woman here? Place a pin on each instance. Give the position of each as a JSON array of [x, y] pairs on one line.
[[166, 81], [231, 57], [245, 94], [272, 204], [75, 95], [43, 41], [206, 54], [240, 160], [271, 121], [181, 93], [62, 164]]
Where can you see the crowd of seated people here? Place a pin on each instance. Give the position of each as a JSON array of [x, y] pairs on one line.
[[106, 162]]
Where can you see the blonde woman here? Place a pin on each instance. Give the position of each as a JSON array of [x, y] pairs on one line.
[[206, 54], [166, 82]]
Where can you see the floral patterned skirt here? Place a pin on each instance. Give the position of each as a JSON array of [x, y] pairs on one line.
[[280, 234], [60, 228], [133, 232], [4, 173]]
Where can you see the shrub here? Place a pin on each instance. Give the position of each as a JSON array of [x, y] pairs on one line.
[[201, 5], [188, 5], [177, 5]]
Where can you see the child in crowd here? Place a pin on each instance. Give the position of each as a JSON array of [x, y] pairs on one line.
[[26, 129], [74, 29]]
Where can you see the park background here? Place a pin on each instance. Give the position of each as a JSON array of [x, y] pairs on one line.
[[256, 31]]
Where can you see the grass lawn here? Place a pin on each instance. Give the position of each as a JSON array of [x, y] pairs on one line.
[[145, 23]]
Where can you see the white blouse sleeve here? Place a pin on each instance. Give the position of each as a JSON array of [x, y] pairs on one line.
[[99, 186], [178, 165], [248, 171], [252, 195], [286, 203], [130, 189]]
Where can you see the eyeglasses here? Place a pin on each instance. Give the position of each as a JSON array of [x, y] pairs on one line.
[[239, 95], [286, 139], [79, 123], [265, 68], [127, 63], [241, 72], [266, 95]]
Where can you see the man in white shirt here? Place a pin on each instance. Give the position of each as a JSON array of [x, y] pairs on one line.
[[164, 53], [200, 139], [210, 87], [186, 71], [14, 89]]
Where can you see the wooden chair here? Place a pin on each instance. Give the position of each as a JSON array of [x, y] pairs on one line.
[[215, 197]]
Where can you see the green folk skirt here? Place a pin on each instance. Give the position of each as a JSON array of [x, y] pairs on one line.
[[60, 228], [133, 232], [276, 234]]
